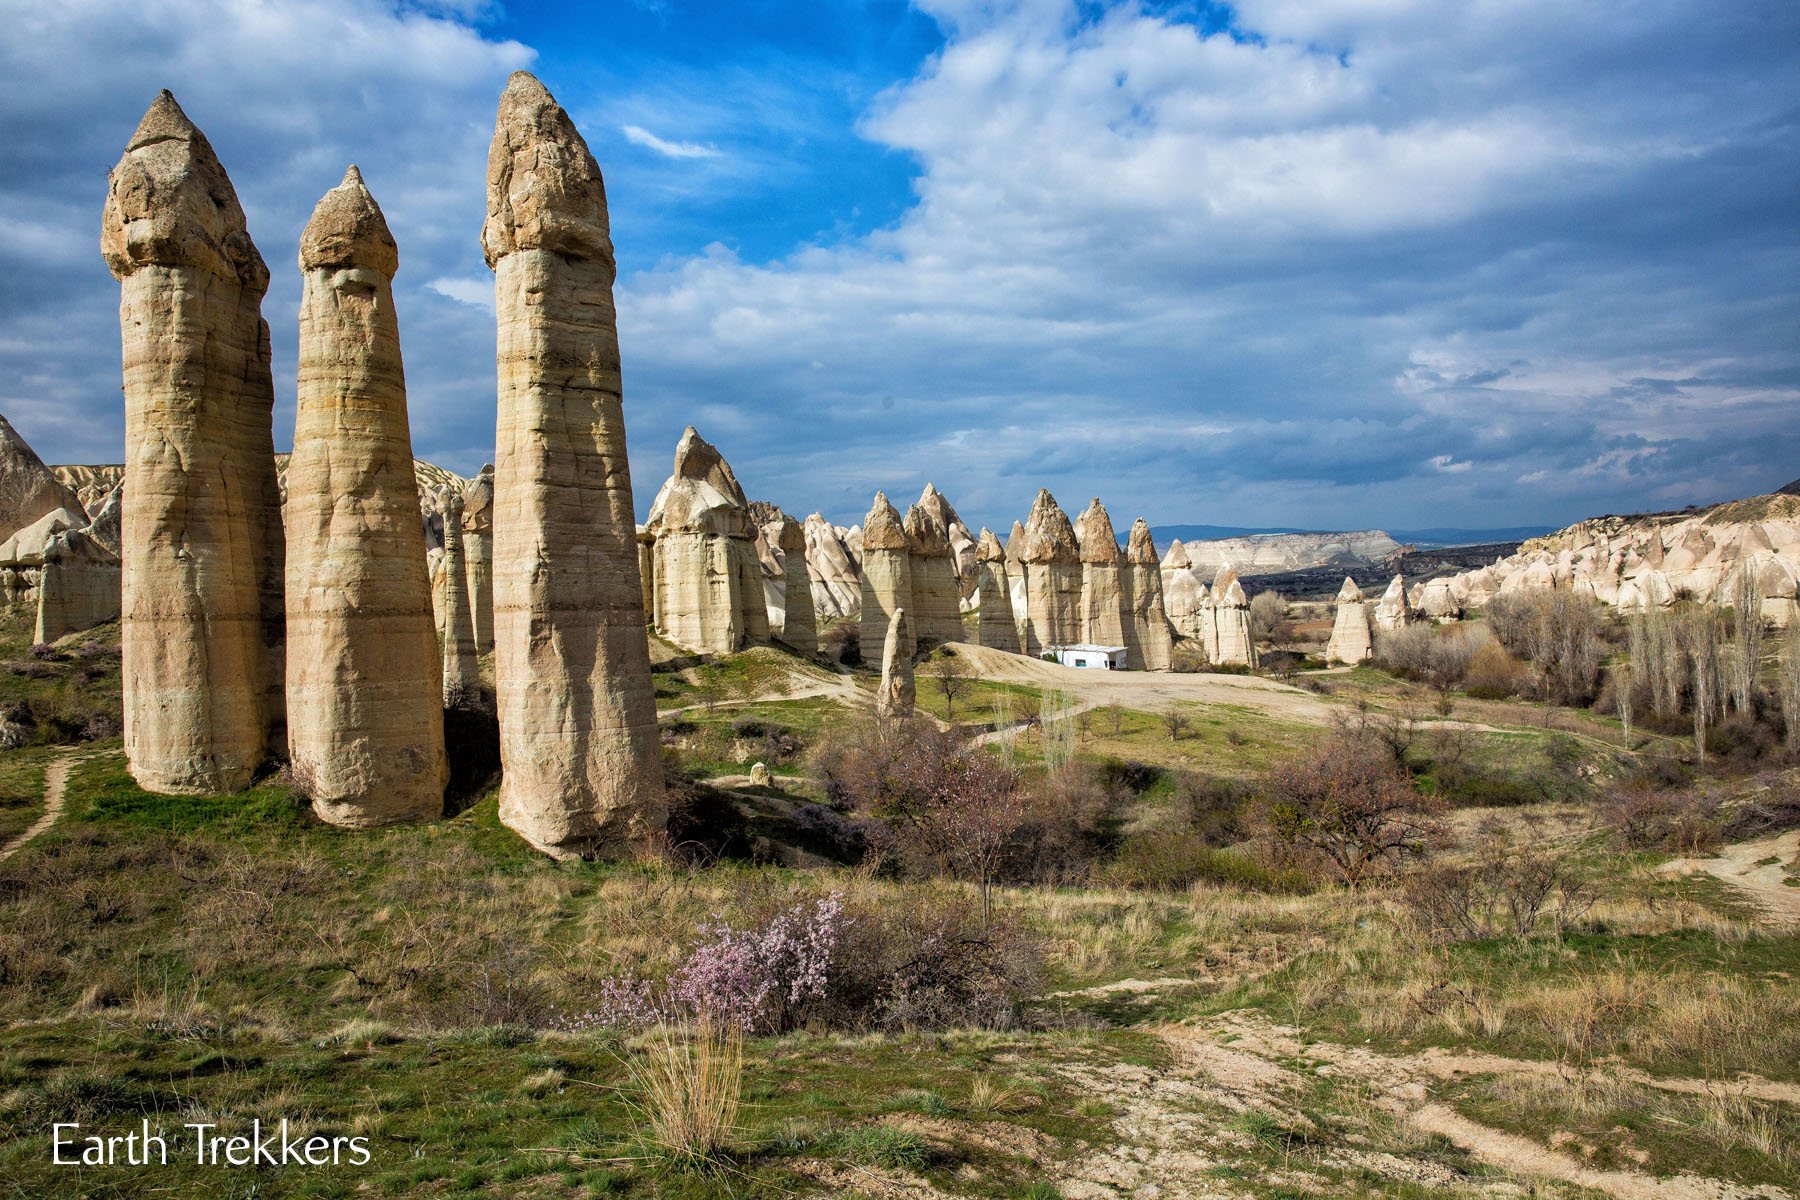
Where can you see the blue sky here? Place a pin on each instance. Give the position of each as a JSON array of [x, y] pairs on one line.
[[1318, 263]]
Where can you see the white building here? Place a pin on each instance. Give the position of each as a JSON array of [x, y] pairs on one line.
[[1107, 658]]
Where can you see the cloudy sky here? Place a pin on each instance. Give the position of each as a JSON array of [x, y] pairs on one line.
[[1319, 263]]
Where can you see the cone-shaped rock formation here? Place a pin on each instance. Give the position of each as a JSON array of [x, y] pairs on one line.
[[1052, 577], [365, 722], [1105, 603], [886, 576], [1352, 631], [202, 620], [995, 625], [1231, 617], [935, 612], [1149, 642], [582, 771], [898, 691], [708, 587]]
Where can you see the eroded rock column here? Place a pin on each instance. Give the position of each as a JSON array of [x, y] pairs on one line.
[[578, 743], [1151, 642], [1053, 577], [1352, 633], [995, 626], [478, 554], [365, 722], [898, 691], [800, 626], [461, 672], [1103, 586], [886, 576], [935, 612], [201, 540]]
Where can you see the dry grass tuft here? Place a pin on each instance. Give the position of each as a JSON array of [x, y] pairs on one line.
[[690, 1082]]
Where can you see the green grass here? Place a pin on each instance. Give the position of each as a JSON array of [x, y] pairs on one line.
[[21, 789]]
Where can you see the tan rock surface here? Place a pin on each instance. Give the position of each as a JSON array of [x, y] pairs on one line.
[[478, 554], [962, 542], [578, 742], [886, 576], [799, 626], [1150, 639], [1017, 583], [936, 612], [995, 626], [708, 583], [1231, 616], [836, 579], [364, 682], [89, 481], [898, 692], [203, 619], [1052, 578], [460, 675], [1353, 628], [1105, 599], [78, 587], [1394, 610], [28, 489]]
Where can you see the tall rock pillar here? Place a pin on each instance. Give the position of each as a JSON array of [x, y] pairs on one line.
[[461, 674], [478, 554], [1053, 577], [365, 722], [995, 626], [800, 627], [582, 768], [1151, 639], [201, 542], [1104, 595], [886, 577], [1352, 632], [936, 612]]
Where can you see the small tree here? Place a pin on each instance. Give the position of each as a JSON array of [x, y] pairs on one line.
[[1622, 684], [1267, 612], [951, 679], [1177, 723], [1349, 803]]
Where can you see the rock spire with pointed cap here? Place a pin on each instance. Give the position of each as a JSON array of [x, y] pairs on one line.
[[1052, 578], [1149, 640], [898, 690], [708, 586], [582, 769], [1016, 582], [995, 625], [1232, 644], [202, 622], [1105, 602], [935, 611], [1394, 610], [886, 576], [799, 625], [1352, 633], [364, 683], [478, 554]]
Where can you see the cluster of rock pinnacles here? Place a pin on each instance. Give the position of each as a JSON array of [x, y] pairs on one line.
[[252, 632]]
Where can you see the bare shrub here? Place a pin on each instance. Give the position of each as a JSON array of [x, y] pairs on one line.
[[1559, 633], [1349, 804], [1177, 724], [1268, 613], [1506, 891], [1678, 820], [1493, 673]]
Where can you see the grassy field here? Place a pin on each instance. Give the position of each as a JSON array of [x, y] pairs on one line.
[[429, 988]]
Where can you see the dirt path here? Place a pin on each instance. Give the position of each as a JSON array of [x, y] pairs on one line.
[[1149, 691], [1241, 1062], [56, 783], [1754, 868]]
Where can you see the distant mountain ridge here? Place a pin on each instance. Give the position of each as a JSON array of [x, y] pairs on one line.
[[1438, 536]]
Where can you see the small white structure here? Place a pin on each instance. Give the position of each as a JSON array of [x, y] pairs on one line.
[[1081, 654]]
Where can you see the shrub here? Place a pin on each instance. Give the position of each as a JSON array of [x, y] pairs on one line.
[[1505, 891], [1176, 860], [690, 1082], [1349, 805], [1493, 673], [1679, 820], [1268, 613], [1560, 633]]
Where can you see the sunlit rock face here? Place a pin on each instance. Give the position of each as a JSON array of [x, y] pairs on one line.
[[886, 576], [1352, 629], [202, 612], [1052, 577], [582, 770], [1150, 642], [995, 624], [709, 581]]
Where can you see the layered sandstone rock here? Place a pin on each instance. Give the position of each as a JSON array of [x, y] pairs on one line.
[[478, 553], [799, 625], [1394, 610], [1352, 631], [1149, 643], [28, 489], [995, 625], [1231, 618], [1439, 603], [962, 542], [708, 586], [1105, 597], [89, 482], [203, 617], [1184, 594], [461, 674], [935, 612], [1053, 577], [78, 585], [365, 720], [898, 692], [836, 579], [1017, 583], [886, 576], [577, 711]]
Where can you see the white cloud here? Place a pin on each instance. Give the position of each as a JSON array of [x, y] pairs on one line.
[[478, 293], [637, 135]]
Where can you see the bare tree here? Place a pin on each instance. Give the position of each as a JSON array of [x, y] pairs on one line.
[[950, 677], [1622, 685], [1790, 686], [1350, 804], [1177, 723]]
